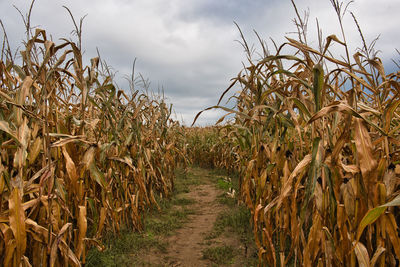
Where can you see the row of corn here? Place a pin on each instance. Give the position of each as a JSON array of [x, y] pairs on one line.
[[315, 140], [78, 156]]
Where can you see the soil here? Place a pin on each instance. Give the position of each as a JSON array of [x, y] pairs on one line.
[[186, 246]]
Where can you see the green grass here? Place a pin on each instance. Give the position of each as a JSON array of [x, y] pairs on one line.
[[225, 200], [224, 179], [220, 254], [121, 251], [165, 223], [182, 201], [185, 180], [224, 183], [234, 220], [237, 218]]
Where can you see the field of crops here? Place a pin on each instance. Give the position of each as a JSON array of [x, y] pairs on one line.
[[78, 156], [315, 139], [313, 136]]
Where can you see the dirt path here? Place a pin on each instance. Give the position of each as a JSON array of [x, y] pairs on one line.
[[187, 245]]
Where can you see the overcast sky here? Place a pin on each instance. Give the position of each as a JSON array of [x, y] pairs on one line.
[[187, 47]]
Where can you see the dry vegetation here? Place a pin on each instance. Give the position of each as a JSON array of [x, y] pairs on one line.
[[315, 139], [78, 156]]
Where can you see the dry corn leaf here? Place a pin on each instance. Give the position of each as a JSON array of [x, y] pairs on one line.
[[392, 232], [82, 227], [287, 187], [35, 150], [17, 222], [364, 146], [362, 255], [5, 127], [70, 166], [102, 220], [377, 255]]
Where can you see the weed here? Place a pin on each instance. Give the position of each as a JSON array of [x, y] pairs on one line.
[[220, 254], [186, 180], [182, 201], [122, 250], [224, 184]]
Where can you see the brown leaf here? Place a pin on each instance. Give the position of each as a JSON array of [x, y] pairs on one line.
[[362, 254], [66, 139], [40, 233], [5, 127], [53, 253], [376, 256], [348, 195], [24, 92], [88, 157], [334, 107], [82, 227], [34, 150], [287, 187], [70, 166], [17, 222], [23, 137], [7, 237], [25, 262], [66, 250], [364, 147], [391, 230], [350, 168], [390, 181], [101, 221]]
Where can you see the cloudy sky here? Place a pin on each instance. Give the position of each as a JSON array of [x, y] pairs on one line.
[[187, 47]]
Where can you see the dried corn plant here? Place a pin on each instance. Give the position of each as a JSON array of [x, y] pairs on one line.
[[209, 147], [317, 138], [78, 156]]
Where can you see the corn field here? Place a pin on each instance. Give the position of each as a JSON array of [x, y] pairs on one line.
[[78, 156], [315, 139], [206, 147]]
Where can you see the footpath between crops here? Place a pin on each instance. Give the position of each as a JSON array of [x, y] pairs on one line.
[[201, 225]]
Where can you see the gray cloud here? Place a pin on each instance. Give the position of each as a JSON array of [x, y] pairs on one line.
[[187, 47]]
